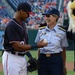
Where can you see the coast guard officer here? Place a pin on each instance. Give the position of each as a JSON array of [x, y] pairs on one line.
[[52, 58]]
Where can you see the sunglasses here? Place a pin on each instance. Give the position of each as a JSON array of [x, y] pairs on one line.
[[47, 16], [50, 15], [27, 13]]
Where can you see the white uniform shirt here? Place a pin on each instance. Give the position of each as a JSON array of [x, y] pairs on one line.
[[56, 40]]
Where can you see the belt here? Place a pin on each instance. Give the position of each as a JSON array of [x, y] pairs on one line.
[[15, 53], [49, 55]]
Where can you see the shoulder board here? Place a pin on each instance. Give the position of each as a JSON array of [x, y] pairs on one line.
[[62, 28], [42, 27]]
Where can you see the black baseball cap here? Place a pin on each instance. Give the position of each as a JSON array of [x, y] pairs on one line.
[[52, 11], [24, 6]]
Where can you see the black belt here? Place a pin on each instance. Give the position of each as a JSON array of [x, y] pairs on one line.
[[49, 55], [20, 54]]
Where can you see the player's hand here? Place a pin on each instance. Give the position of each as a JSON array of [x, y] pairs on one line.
[[42, 43]]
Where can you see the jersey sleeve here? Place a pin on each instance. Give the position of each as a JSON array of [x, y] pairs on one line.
[[12, 33]]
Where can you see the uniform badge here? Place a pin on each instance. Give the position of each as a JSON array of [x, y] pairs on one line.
[[58, 35], [43, 33]]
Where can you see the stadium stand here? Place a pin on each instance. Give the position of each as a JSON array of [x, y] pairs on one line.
[[9, 13], [14, 3], [38, 7]]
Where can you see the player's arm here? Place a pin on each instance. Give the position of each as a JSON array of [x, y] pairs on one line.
[[23, 47]]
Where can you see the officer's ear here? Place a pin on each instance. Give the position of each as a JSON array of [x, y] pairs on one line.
[[55, 17]]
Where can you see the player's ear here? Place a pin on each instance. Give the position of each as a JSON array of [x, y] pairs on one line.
[[21, 12]]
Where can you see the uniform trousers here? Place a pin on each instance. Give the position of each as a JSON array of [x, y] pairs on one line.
[[52, 65]]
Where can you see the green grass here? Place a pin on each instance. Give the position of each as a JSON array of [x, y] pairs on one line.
[[0, 56], [70, 58], [70, 73], [69, 55], [1, 73], [35, 73]]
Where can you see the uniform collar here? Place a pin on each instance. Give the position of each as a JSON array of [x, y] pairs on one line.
[[55, 28]]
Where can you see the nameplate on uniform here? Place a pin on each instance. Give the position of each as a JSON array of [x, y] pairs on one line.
[[58, 35]]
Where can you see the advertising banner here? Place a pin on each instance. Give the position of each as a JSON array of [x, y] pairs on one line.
[[1, 39]]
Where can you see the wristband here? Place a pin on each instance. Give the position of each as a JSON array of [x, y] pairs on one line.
[[34, 46], [28, 54]]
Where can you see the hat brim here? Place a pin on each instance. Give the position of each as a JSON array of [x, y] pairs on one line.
[[30, 12], [46, 13]]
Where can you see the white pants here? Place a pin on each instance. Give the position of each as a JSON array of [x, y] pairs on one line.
[[14, 64]]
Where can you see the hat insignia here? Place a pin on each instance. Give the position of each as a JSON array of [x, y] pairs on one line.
[[50, 8]]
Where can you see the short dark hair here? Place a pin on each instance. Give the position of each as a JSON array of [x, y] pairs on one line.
[[24, 6]]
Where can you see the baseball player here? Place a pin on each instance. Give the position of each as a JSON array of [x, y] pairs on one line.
[[52, 58], [15, 42]]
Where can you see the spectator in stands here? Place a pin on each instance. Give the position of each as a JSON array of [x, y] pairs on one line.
[[2, 41]]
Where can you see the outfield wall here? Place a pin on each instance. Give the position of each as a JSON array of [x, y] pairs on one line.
[[32, 34]]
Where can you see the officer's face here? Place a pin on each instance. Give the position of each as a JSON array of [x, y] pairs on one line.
[[50, 19]]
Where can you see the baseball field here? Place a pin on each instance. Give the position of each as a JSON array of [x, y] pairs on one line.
[[69, 63]]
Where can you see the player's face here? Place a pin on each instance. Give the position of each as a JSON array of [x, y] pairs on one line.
[[24, 15], [27, 14]]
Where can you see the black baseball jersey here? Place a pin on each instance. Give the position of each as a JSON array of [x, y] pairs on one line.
[[15, 32]]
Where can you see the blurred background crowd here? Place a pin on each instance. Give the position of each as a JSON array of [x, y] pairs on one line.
[[8, 8]]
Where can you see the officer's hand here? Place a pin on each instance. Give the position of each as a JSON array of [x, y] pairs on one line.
[[42, 43], [65, 71]]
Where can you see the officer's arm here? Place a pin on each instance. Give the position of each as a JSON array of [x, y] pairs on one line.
[[64, 60], [64, 56], [38, 53], [69, 34]]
